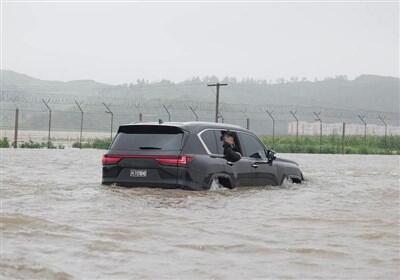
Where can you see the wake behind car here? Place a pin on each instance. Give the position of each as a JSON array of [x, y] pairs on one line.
[[190, 155]]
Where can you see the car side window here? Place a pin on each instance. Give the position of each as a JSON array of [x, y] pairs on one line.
[[252, 146], [220, 142], [210, 140]]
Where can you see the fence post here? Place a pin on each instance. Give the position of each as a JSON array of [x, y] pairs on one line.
[[382, 119], [247, 119], [273, 127], [343, 135], [318, 118], [49, 135], [169, 114], [16, 128], [193, 109], [220, 116], [80, 134], [297, 126], [108, 111], [138, 106], [362, 118]]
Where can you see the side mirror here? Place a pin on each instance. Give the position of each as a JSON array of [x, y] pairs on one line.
[[271, 155]]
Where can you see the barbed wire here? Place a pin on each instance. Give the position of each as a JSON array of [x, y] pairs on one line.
[[202, 107], [130, 95], [181, 111], [130, 104]]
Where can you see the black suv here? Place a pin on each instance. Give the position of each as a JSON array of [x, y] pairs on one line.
[[189, 155]]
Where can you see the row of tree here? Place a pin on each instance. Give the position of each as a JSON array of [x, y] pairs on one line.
[[229, 80]]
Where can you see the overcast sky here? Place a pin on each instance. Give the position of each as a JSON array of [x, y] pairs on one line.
[[121, 42]]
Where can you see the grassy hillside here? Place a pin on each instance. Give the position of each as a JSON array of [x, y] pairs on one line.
[[367, 92], [21, 83]]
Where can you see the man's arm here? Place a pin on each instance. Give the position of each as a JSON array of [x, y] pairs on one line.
[[230, 154]]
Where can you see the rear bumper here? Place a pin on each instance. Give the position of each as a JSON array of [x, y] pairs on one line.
[[185, 185], [167, 177]]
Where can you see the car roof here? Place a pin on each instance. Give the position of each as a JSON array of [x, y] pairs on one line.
[[193, 126]]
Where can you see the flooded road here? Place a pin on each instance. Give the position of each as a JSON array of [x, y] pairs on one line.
[[58, 222]]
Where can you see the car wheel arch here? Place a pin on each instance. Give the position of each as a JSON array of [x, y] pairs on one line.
[[224, 179], [291, 178]]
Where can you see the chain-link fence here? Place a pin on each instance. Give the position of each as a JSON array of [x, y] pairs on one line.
[[67, 121]]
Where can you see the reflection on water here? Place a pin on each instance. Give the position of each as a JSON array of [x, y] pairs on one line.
[[58, 222]]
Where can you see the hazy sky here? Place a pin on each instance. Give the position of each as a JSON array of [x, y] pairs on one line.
[[121, 42]]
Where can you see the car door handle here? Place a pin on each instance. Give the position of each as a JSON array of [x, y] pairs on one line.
[[254, 165], [229, 163]]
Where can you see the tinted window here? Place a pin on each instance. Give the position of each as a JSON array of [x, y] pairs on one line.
[[220, 142], [252, 147], [210, 140], [148, 141]]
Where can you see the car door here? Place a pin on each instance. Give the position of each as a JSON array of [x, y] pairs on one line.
[[241, 171], [215, 161], [263, 172]]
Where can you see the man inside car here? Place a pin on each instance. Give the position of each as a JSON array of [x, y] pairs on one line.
[[231, 152]]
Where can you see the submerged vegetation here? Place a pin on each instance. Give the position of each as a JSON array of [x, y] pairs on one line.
[[284, 144], [4, 143], [334, 144], [308, 144], [94, 144], [40, 145]]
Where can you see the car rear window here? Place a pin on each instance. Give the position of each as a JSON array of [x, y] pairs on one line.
[[136, 138]]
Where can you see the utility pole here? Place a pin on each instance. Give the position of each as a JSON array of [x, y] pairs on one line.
[[108, 111], [273, 127], [297, 125], [362, 118], [80, 134], [46, 103], [16, 128], [318, 118], [193, 109], [169, 114], [217, 85], [382, 119]]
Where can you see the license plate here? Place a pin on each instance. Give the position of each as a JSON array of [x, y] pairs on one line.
[[138, 173]]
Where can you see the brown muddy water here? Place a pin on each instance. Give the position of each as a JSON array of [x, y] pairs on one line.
[[58, 222]]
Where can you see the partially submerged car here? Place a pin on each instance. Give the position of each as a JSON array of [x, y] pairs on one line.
[[190, 155]]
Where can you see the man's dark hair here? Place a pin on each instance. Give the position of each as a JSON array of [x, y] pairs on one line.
[[228, 133]]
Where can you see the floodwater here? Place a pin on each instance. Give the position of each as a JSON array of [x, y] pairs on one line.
[[58, 222]]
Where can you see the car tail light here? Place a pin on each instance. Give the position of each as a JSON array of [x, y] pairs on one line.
[[175, 161], [163, 160], [108, 159]]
